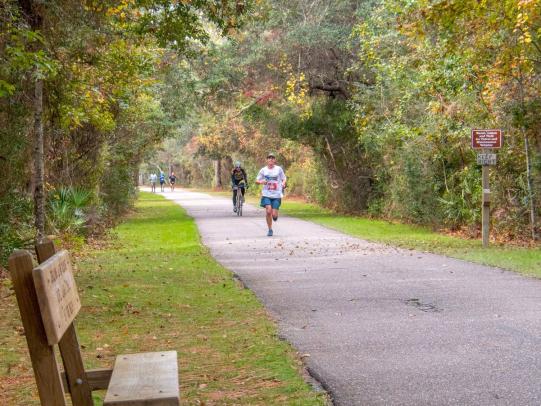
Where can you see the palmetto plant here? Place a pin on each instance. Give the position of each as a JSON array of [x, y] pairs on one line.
[[66, 209]]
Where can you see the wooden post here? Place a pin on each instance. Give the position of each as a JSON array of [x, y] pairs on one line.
[[486, 140], [70, 350], [44, 363], [486, 206], [45, 249], [79, 387]]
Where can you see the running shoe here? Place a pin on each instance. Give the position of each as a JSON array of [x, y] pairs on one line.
[[275, 218], [269, 234], [234, 209]]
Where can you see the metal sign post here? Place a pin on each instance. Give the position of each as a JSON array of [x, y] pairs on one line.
[[486, 140]]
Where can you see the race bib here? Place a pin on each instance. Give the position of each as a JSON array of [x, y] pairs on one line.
[[272, 186]]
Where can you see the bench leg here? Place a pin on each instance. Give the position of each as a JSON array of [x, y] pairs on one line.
[[44, 362], [79, 388], [75, 377]]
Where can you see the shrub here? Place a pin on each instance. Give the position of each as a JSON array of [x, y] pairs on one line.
[[16, 220], [66, 210], [118, 190]]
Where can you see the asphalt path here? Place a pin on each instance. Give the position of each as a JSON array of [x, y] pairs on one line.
[[378, 325]]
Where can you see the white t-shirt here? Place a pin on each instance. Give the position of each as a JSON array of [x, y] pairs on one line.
[[274, 178], [153, 178]]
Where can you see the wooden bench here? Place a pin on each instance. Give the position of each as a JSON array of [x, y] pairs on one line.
[[48, 302]]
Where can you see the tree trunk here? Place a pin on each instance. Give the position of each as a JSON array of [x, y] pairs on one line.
[[39, 164], [137, 178], [529, 183], [218, 173], [33, 16]]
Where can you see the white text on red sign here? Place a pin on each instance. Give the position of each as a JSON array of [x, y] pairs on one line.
[[486, 139]]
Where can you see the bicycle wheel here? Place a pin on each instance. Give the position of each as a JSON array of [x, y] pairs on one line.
[[239, 202]]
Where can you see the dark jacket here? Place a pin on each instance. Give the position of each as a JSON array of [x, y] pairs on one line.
[[238, 174]]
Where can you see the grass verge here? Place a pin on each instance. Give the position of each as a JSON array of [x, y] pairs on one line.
[[155, 287], [523, 260]]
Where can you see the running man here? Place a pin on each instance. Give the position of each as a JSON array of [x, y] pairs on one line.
[[162, 181], [274, 180], [153, 180], [172, 180], [238, 179]]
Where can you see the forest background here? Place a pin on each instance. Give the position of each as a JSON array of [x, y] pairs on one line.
[[369, 105]]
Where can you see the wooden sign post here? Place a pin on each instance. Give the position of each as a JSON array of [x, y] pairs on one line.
[[485, 211], [486, 140]]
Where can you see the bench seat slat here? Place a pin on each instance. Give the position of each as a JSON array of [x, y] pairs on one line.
[[144, 379]]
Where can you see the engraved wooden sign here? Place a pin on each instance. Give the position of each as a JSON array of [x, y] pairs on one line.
[[57, 295]]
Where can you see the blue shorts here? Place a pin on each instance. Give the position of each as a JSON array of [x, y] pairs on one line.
[[269, 201]]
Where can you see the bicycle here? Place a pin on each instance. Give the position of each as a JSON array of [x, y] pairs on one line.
[[239, 198]]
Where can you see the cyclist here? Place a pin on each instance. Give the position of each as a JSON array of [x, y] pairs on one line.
[[274, 180], [162, 180], [153, 180], [172, 180], [238, 179]]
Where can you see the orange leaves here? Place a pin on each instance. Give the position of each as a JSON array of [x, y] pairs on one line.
[[528, 21]]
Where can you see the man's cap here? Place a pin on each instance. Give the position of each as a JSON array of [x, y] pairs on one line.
[[271, 154]]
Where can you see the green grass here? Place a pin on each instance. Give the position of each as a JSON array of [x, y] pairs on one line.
[[523, 260], [155, 287]]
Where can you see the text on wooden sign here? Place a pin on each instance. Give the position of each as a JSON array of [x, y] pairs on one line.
[[57, 295]]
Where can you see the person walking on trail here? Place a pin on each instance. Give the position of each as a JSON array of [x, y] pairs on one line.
[[162, 181], [172, 180], [274, 180], [238, 180], [153, 180]]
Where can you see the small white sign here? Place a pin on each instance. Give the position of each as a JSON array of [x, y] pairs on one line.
[[486, 159]]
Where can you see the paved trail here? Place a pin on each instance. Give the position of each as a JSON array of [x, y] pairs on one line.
[[384, 326]]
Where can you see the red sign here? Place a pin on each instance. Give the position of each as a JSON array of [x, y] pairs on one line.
[[486, 139]]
